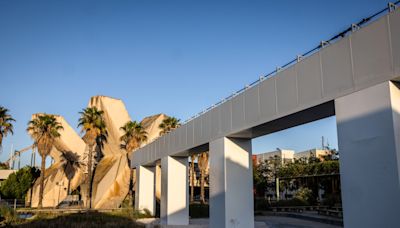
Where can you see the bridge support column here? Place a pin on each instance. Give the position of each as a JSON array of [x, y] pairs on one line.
[[231, 183], [368, 125], [144, 195], [174, 208]]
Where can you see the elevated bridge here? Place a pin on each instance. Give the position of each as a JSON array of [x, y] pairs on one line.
[[355, 77]]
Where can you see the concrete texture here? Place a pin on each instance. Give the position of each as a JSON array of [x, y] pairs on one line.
[[174, 208], [56, 183], [144, 194], [111, 177], [369, 143], [231, 183]]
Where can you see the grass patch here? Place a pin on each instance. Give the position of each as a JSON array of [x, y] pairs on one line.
[[7, 215], [120, 218]]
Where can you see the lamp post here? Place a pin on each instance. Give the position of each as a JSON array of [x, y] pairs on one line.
[[59, 184]]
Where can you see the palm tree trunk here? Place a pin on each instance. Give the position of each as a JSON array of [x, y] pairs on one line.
[[202, 172], [69, 187], [130, 182], [41, 188], [89, 179], [192, 174]]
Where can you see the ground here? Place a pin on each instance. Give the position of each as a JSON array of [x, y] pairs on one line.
[[287, 222], [78, 220]]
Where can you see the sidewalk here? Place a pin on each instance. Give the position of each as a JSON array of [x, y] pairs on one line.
[[308, 215], [193, 223], [267, 220]]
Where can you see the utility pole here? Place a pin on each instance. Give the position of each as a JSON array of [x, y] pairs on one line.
[[11, 165], [19, 160]]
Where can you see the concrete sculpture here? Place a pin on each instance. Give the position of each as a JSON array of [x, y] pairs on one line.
[[110, 184]]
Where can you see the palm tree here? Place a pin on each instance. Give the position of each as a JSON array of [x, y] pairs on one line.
[[5, 124], [70, 163], [134, 136], [169, 124], [203, 164], [94, 127], [44, 129], [192, 176]]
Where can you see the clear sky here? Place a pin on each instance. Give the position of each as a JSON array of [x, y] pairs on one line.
[[173, 57]]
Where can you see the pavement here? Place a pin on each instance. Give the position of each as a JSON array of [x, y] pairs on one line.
[[289, 222], [260, 222]]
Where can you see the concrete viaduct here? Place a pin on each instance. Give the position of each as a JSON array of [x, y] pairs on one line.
[[357, 78]]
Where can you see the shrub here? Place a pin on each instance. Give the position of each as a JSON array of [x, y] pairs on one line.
[[332, 200], [261, 204], [7, 214], [304, 194], [291, 203]]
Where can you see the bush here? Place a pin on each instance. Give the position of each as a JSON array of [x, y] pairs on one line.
[[261, 204], [132, 213], [7, 214], [332, 200], [290, 203], [304, 194]]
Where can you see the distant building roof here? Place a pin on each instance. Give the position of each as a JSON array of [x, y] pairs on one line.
[[4, 173]]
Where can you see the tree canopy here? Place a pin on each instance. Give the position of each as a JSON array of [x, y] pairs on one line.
[[17, 184]]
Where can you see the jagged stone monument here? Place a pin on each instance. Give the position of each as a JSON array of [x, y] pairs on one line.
[[110, 185]]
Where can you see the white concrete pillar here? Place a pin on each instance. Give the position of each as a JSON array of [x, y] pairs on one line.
[[174, 208], [144, 195], [368, 125], [231, 183]]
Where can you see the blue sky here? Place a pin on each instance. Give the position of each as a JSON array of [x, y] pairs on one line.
[[173, 57]]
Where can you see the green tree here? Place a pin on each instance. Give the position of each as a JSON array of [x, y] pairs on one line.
[[134, 135], [95, 133], [44, 129], [169, 124], [6, 125], [260, 174], [4, 165], [17, 184], [70, 163]]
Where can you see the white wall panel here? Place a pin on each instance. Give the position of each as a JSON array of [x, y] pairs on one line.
[[287, 90], [226, 116], [252, 105], [394, 21], [371, 53], [238, 112], [215, 122], [309, 79], [268, 98], [197, 131], [189, 133], [336, 68]]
